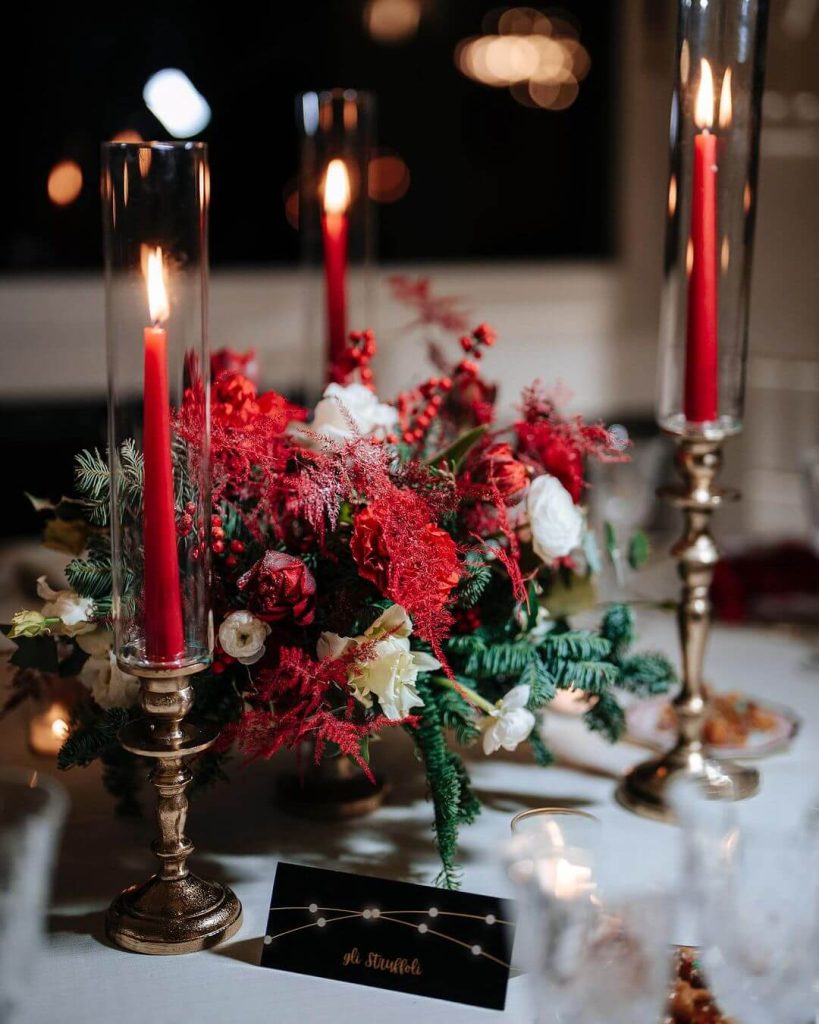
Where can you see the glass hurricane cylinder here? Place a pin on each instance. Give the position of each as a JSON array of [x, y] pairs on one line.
[[336, 224], [712, 191], [154, 198]]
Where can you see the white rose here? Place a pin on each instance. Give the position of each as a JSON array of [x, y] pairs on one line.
[[73, 611], [109, 685], [511, 723], [98, 643], [242, 636], [554, 519], [391, 669], [345, 410]]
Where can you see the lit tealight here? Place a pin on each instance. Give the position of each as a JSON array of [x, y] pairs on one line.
[[392, 21], [174, 101], [64, 183], [127, 135]]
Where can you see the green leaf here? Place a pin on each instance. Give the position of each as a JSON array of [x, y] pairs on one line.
[[610, 538], [639, 548], [455, 454]]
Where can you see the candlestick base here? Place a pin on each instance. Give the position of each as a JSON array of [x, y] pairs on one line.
[[171, 916], [175, 911], [645, 789]]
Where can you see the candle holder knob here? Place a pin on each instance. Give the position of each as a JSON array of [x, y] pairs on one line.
[[645, 789], [175, 911]]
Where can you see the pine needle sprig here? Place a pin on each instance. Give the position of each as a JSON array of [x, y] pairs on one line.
[[607, 718]]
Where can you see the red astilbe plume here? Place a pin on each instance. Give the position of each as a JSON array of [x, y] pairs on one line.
[[560, 446], [311, 701], [411, 560], [431, 310]]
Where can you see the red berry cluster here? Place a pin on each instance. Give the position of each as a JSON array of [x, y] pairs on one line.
[[219, 546], [467, 620], [482, 337], [418, 408], [360, 351], [220, 661]]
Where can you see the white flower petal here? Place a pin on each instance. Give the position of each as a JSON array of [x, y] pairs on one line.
[[517, 697], [555, 521], [425, 662], [331, 645]]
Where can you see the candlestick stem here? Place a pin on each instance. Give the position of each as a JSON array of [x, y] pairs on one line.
[[175, 911], [645, 789]]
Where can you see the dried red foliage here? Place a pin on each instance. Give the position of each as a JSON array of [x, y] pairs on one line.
[[431, 310]]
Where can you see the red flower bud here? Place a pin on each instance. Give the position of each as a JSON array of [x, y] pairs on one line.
[[280, 587]]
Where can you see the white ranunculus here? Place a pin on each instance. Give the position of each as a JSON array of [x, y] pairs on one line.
[[511, 723], [109, 685], [390, 670], [73, 611], [98, 643], [554, 519], [345, 410], [242, 636]]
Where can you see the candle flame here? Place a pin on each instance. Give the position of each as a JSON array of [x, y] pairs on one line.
[[60, 728], [725, 102], [704, 106], [154, 270], [336, 187]]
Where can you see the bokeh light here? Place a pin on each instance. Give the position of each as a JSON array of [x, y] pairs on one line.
[[127, 135], [64, 182], [392, 21], [174, 101], [388, 177], [536, 54]]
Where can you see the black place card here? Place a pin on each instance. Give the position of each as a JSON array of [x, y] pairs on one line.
[[394, 935]]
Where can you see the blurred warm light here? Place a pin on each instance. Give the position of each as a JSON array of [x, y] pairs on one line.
[[144, 157], [154, 271], [392, 21], [127, 136], [672, 195], [388, 178], [725, 255], [64, 183], [704, 105], [685, 62], [60, 728], [554, 96], [746, 198], [537, 56], [291, 205], [725, 103], [689, 257], [336, 191], [174, 101]]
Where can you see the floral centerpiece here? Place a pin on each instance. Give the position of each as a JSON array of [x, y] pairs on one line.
[[375, 566]]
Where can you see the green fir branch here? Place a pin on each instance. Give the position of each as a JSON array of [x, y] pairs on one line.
[[579, 644], [543, 756], [457, 715], [92, 737], [607, 718], [541, 683], [592, 676], [618, 628], [647, 674]]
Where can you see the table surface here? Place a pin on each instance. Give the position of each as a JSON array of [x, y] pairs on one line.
[[240, 836]]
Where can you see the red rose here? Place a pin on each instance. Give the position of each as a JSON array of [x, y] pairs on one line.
[[556, 453], [280, 587], [498, 466], [400, 565], [369, 548]]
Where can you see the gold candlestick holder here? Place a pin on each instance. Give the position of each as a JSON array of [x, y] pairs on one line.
[[645, 788], [174, 911]]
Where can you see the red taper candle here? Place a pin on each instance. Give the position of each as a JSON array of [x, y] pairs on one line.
[[164, 636], [701, 404], [334, 230]]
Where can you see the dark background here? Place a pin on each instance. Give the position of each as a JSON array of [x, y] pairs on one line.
[[489, 177]]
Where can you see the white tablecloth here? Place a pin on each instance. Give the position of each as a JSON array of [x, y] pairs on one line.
[[241, 835]]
